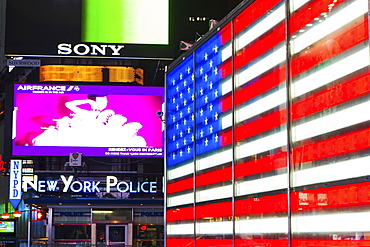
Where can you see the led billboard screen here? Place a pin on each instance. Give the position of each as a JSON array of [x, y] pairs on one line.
[[99, 28], [7, 227], [95, 120]]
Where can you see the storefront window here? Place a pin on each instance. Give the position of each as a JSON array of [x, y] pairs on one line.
[[75, 232], [148, 228], [149, 235], [100, 233], [115, 214]]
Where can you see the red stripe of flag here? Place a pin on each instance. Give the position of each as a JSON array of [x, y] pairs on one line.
[[260, 86], [263, 124], [217, 176], [252, 13], [180, 242], [226, 34], [260, 46], [333, 96], [307, 14], [344, 39], [219, 242], [268, 163], [181, 185], [221, 209], [186, 213], [347, 143], [331, 243], [261, 205], [331, 197], [208, 178], [250, 242], [226, 68], [226, 138]]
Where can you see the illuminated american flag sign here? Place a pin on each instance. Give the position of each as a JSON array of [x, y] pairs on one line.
[[277, 135]]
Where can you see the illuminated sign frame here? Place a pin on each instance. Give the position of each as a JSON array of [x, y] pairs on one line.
[[87, 186], [47, 31]]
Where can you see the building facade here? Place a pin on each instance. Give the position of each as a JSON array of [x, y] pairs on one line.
[[267, 129], [104, 202], [82, 176]]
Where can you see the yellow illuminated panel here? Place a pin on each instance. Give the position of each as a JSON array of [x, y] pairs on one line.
[[90, 74]]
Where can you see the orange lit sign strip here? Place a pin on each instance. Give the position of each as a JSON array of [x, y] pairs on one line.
[[117, 74]]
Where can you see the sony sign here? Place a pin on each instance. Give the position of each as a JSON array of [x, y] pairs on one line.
[[93, 50], [87, 186]]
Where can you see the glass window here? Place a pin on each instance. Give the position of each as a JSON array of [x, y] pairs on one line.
[[68, 232], [148, 235], [111, 214]]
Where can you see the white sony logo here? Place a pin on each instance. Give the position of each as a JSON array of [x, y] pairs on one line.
[[83, 49]]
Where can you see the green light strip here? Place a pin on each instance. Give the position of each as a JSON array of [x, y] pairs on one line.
[[125, 21]]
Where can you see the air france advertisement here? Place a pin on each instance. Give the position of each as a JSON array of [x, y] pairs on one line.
[[94, 120]]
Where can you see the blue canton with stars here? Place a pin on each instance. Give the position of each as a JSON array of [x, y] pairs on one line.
[[198, 90]]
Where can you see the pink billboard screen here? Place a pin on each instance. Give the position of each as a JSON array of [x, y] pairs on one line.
[[95, 120]]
